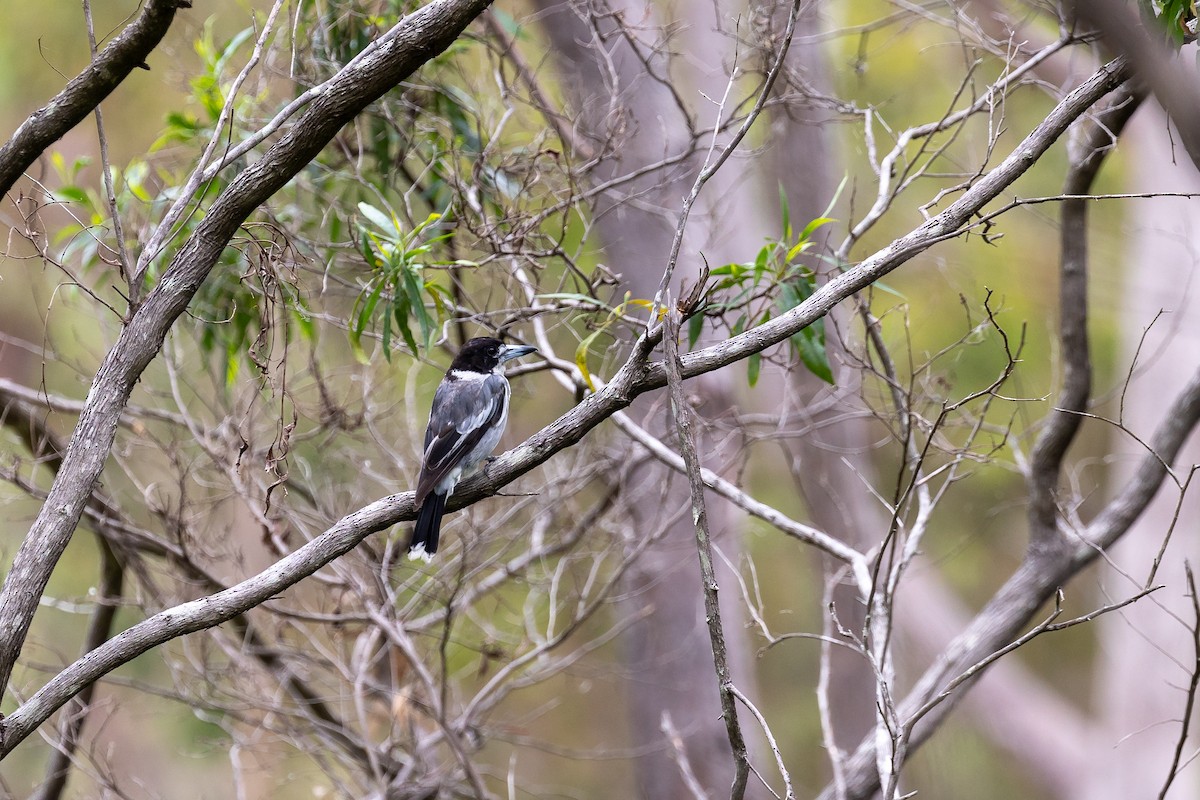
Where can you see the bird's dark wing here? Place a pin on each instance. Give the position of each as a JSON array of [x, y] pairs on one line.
[[463, 412]]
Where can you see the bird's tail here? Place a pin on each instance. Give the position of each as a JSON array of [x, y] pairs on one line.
[[429, 526]]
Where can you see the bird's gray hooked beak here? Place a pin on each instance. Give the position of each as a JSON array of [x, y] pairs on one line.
[[511, 351]]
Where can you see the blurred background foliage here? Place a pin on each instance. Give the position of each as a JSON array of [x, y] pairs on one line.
[[331, 306]]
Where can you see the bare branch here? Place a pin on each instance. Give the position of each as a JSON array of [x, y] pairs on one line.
[[945, 225], [712, 607], [789, 790], [1193, 686], [1051, 447], [1039, 577], [84, 92], [140, 341], [805, 533], [679, 753], [70, 725]]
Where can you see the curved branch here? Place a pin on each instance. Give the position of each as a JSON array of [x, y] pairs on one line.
[[945, 225], [1051, 447], [87, 90], [636, 377]]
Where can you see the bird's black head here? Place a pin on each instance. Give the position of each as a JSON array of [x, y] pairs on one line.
[[485, 354]]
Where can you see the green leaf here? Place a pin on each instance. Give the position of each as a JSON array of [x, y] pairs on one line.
[[785, 214], [307, 328], [65, 232], [753, 367], [760, 263], [403, 311], [386, 334], [135, 176], [361, 315], [231, 49], [71, 194], [733, 270], [811, 227], [695, 326], [579, 298], [430, 220], [581, 355], [809, 344], [232, 367], [797, 249], [412, 288], [367, 251], [380, 220]]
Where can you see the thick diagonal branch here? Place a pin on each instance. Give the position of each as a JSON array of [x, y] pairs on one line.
[[87, 90]]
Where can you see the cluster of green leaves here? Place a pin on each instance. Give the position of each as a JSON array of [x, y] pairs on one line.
[[774, 282], [426, 142], [399, 282], [1177, 17], [145, 186], [87, 239], [254, 288]]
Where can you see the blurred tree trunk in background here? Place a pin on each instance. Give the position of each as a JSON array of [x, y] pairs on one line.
[[616, 79], [832, 461], [1145, 654]]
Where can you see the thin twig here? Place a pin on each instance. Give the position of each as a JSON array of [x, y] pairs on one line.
[[712, 607], [106, 164], [1048, 625], [1193, 684], [789, 790], [805, 533], [70, 724], [679, 754]]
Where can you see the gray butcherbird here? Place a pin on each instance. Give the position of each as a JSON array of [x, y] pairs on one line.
[[470, 408]]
